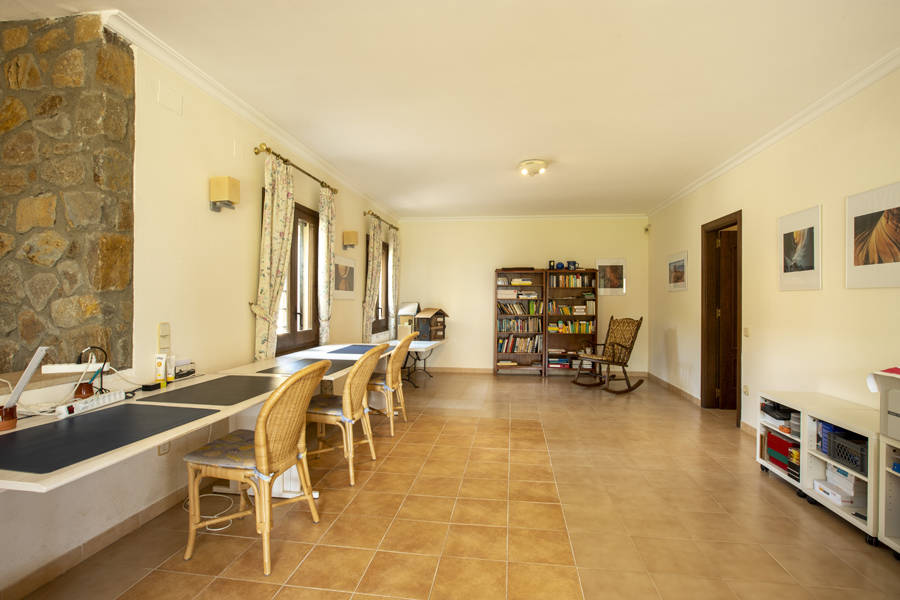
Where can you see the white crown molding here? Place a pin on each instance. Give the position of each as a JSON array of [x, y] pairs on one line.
[[144, 39], [868, 76], [642, 216]]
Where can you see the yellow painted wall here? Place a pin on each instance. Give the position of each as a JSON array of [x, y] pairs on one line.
[[825, 340], [450, 264]]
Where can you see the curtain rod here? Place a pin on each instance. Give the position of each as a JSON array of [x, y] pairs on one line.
[[377, 216], [267, 149]]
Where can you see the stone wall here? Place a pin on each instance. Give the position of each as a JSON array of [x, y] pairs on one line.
[[66, 167]]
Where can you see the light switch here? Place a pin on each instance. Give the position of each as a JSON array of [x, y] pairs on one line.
[[746, 390], [746, 332]]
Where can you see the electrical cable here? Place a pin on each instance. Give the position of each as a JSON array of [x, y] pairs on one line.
[[123, 378], [225, 524], [9, 384]]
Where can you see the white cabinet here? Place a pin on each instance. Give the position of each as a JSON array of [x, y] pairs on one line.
[[889, 495]]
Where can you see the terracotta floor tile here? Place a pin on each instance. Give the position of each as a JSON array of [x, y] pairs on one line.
[[413, 437], [285, 558], [403, 575], [540, 546], [543, 582], [533, 491], [376, 503], [530, 472], [443, 468], [534, 515], [165, 585], [672, 556], [289, 593], [480, 512], [476, 541], [817, 567], [418, 537], [332, 568], [585, 517], [673, 586], [339, 479], [745, 562], [451, 453], [459, 441], [393, 483], [212, 553], [400, 464], [596, 550], [360, 531], [648, 525], [491, 489], [489, 455], [436, 486], [91, 580], [145, 547], [403, 449], [487, 470], [581, 493], [755, 590], [617, 585], [330, 500], [427, 508], [529, 457], [232, 589], [467, 579]]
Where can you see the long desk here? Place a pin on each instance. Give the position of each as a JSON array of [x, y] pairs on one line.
[[34, 454]]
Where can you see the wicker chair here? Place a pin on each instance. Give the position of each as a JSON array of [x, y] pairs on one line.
[[348, 408], [616, 352], [255, 458], [390, 382]]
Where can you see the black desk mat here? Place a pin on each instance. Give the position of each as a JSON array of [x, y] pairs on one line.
[[49, 447], [289, 367], [358, 348], [224, 391]]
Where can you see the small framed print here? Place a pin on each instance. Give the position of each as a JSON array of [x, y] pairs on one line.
[[611, 276], [676, 270], [344, 278], [800, 250], [873, 238]]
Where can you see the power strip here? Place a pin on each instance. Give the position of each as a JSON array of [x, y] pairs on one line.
[[95, 401]]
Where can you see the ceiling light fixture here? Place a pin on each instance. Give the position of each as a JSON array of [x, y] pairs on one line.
[[532, 167]]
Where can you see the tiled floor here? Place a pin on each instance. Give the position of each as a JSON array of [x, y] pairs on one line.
[[536, 490]]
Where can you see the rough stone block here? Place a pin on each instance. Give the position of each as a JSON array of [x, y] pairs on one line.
[[12, 181], [89, 114], [109, 260], [43, 248], [70, 275], [68, 69], [7, 318], [12, 114], [31, 327], [64, 172], [37, 211], [115, 68], [52, 40], [39, 289], [20, 148], [83, 208], [6, 211], [66, 147], [7, 243], [112, 170], [8, 349], [13, 38], [74, 310], [49, 106], [87, 28], [22, 73], [74, 341], [115, 119], [56, 127], [12, 286]]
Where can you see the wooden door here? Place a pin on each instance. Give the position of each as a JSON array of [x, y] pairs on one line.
[[727, 350]]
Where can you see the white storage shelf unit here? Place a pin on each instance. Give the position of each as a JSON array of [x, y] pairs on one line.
[[889, 499], [851, 416]]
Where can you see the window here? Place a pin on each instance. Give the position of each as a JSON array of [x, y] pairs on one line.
[[380, 324], [298, 315]]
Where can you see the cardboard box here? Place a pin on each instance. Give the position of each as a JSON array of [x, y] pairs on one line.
[[831, 492]]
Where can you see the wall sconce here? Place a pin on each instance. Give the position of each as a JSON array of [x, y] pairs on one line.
[[350, 239], [223, 191]]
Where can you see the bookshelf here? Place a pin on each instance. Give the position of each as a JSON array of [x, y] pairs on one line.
[[520, 321], [571, 317]]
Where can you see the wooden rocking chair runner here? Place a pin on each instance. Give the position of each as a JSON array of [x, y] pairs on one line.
[[615, 352]]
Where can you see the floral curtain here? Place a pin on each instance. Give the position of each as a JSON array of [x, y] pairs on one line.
[[394, 297], [274, 253], [373, 272], [326, 261]]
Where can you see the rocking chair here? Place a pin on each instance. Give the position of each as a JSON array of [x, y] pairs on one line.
[[616, 351]]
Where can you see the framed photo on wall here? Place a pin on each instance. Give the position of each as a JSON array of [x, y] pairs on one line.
[[611, 276], [344, 278], [800, 250], [873, 238], [676, 271]]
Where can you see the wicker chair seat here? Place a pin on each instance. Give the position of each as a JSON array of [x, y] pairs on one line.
[[332, 406], [233, 451], [378, 379]]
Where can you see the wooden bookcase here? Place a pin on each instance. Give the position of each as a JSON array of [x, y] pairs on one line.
[[520, 321], [571, 317]]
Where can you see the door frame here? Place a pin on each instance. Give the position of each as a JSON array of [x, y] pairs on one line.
[[708, 268]]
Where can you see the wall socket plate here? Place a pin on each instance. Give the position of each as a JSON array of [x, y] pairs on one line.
[[746, 390], [163, 449]]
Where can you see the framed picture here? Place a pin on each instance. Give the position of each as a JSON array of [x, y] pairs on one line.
[[344, 278], [873, 238], [611, 276], [676, 271], [800, 250]]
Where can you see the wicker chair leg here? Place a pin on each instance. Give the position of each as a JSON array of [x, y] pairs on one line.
[[389, 406], [348, 450], [264, 501], [402, 401], [367, 429], [306, 484], [193, 510]]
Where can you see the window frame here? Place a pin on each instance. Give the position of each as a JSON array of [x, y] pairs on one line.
[[301, 339], [381, 303]]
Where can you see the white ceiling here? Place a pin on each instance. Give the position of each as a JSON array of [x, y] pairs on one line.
[[427, 106]]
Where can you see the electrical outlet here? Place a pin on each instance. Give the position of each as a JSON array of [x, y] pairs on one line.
[[162, 449]]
